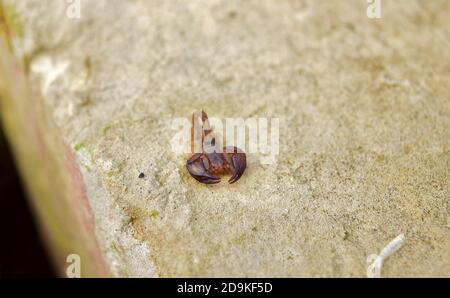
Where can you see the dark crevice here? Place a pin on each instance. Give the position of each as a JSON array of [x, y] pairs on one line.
[[22, 253]]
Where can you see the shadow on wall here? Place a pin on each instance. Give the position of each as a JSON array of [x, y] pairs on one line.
[[22, 253]]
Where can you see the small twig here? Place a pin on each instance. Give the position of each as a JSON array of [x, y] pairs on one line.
[[374, 269]]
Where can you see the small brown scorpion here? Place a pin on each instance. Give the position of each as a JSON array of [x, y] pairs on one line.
[[213, 160]]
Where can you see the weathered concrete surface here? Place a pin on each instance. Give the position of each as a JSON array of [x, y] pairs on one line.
[[364, 147]]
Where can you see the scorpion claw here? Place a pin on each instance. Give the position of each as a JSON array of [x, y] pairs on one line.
[[239, 162], [210, 180], [196, 168]]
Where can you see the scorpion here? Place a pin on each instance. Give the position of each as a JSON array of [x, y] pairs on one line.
[[213, 160]]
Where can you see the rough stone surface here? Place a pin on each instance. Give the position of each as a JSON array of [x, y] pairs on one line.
[[364, 107]]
